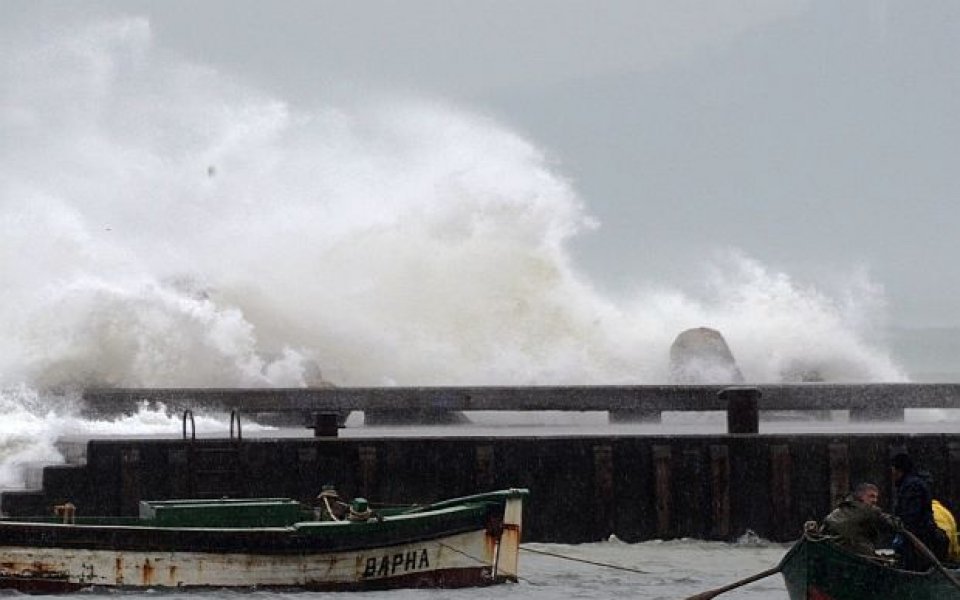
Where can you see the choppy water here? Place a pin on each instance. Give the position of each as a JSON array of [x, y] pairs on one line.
[[673, 569]]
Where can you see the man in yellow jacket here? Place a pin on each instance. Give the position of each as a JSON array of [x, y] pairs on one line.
[[946, 522]]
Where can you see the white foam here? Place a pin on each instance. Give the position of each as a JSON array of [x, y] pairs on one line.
[[33, 422], [163, 225]]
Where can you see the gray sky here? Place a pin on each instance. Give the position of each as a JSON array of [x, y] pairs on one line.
[[817, 136]]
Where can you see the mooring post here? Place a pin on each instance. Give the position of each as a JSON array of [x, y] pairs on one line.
[[325, 424], [743, 416]]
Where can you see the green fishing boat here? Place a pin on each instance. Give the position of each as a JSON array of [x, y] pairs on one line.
[[267, 543], [818, 569]]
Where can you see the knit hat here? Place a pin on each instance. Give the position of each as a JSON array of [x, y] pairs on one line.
[[902, 462]]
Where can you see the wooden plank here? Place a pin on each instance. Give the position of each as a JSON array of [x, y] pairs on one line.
[[690, 496], [663, 489], [781, 490], [604, 485], [484, 477], [720, 490], [839, 472], [368, 470]]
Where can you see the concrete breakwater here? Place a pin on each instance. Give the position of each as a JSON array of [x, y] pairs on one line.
[[877, 401], [583, 488]]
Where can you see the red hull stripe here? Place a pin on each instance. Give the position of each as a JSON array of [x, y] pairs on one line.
[[814, 593]]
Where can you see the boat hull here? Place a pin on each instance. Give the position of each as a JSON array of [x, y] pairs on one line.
[[455, 561], [817, 569], [452, 547]]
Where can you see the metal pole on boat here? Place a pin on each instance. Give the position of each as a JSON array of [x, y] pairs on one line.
[[930, 556]]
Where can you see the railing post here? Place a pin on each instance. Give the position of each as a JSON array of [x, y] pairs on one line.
[[188, 414], [743, 415], [325, 425], [235, 418]]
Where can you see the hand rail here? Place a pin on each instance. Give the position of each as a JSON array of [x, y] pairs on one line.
[[193, 425], [235, 416]]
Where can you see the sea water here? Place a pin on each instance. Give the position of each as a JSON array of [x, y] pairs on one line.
[[164, 224]]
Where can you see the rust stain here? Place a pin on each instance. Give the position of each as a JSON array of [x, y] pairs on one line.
[[40, 567], [146, 573], [490, 545], [32, 570], [511, 535], [172, 575], [119, 569]]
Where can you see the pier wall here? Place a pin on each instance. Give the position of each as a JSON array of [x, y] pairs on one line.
[[582, 488]]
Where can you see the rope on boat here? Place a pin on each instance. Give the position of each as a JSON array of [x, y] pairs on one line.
[[326, 504], [545, 553], [459, 551], [474, 558], [585, 561]]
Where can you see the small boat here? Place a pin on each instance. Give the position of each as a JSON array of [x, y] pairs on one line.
[[267, 543], [818, 569]]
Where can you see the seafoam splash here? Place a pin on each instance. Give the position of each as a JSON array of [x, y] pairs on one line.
[[32, 425], [164, 225]]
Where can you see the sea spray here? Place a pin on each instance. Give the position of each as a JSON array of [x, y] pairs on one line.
[[34, 423], [165, 225]]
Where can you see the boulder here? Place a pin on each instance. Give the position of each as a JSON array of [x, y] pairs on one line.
[[701, 355]]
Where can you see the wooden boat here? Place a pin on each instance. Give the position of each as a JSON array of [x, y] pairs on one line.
[[818, 569], [266, 543]]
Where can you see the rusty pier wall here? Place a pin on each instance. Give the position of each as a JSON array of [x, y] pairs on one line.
[[583, 488]]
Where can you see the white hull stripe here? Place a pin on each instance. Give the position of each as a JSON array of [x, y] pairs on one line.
[[470, 550]]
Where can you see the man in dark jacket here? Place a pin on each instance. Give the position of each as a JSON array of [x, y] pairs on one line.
[[913, 506], [858, 523]]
